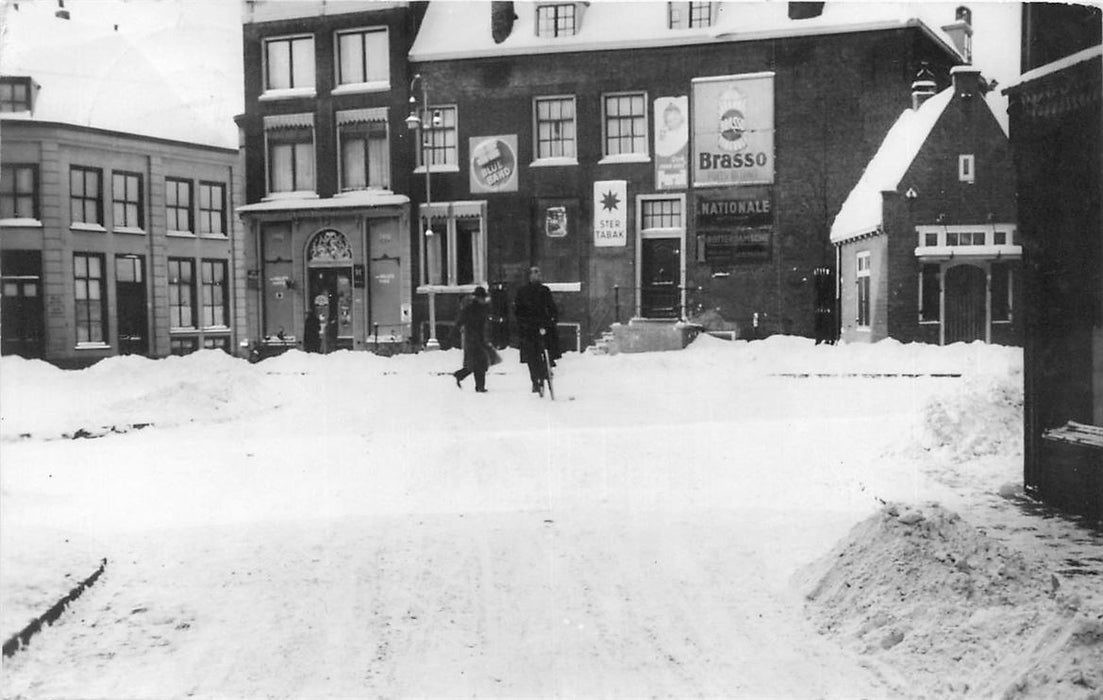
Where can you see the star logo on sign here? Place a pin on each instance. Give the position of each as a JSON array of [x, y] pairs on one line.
[[609, 201]]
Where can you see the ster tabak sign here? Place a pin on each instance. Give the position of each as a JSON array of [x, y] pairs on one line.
[[493, 163], [733, 130], [610, 213]]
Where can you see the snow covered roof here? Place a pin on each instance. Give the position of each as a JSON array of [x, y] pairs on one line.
[[345, 200], [1060, 64], [269, 10], [463, 29], [168, 69], [862, 211]]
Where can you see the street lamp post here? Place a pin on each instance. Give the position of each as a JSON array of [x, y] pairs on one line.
[[414, 123]]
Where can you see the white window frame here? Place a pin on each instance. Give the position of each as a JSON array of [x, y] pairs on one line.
[[555, 7], [966, 168], [345, 120], [449, 213], [348, 86], [539, 160], [863, 275], [678, 232], [268, 129], [676, 21], [451, 162], [271, 93], [635, 156]]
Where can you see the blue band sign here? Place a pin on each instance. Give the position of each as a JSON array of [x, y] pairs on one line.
[[493, 163], [733, 130]]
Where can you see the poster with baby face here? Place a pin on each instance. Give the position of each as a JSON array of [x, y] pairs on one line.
[[671, 143]]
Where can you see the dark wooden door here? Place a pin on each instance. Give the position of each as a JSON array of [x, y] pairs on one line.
[[965, 289], [23, 323], [130, 304], [660, 277]]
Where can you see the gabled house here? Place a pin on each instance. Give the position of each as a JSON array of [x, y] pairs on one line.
[[927, 243]]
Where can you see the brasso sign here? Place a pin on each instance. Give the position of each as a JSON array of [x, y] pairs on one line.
[[733, 130]]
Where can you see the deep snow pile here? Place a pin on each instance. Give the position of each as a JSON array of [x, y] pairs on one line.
[[938, 604]]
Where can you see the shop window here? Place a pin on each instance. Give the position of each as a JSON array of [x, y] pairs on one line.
[[930, 282], [181, 293], [85, 195], [126, 200], [90, 299], [999, 288], [363, 56], [178, 205], [365, 149], [289, 63], [18, 191], [557, 20], [455, 254], [625, 124], [555, 127], [438, 137], [863, 282], [215, 305], [691, 15], [212, 209]]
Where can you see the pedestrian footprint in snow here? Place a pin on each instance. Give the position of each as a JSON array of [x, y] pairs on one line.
[[472, 327]]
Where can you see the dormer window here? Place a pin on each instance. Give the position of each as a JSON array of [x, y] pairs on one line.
[[15, 94], [557, 20], [691, 15]]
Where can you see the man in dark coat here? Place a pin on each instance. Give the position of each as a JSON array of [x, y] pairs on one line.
[[472, 325], [536, 315]]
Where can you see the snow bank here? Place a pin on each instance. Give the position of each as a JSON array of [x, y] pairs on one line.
[[122, 393], [931, 599]]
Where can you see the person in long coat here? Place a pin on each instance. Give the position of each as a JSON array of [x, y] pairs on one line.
[[472, 324], [536, 315]]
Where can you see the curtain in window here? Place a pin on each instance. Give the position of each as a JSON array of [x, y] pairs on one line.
[[279, 65], [353, 163]]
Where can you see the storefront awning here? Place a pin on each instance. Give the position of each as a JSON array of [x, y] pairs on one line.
[[358, 116], [289, 121]]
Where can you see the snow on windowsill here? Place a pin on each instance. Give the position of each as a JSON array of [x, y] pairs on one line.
[[92, 346], [955, 251], [296, 194], [564, 286], [20, 223], [552, 162], [420, 170], [286, 94], [133, 230], [179, 234], [214, 236], [357, 88], [625, 158], [92, 228]]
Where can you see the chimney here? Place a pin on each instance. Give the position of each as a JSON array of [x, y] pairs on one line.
[[61, 12], [501, 19], [805, 10], [923, 87], [961, 32], [968, 81]]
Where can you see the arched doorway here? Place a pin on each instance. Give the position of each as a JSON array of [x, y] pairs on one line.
[[966, 291], [329, 271]]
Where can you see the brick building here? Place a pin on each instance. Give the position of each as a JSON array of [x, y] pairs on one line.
[[1056, 117], [116, 231], [660, 161], [327, 162], [927, 243]]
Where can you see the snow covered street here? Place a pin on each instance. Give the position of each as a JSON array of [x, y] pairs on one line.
[[354, 526]]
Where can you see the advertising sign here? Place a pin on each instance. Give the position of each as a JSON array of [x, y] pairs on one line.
[[555, 222], [733, 130], [493, 163], [671, 143], [610, 213], [734, 225]]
